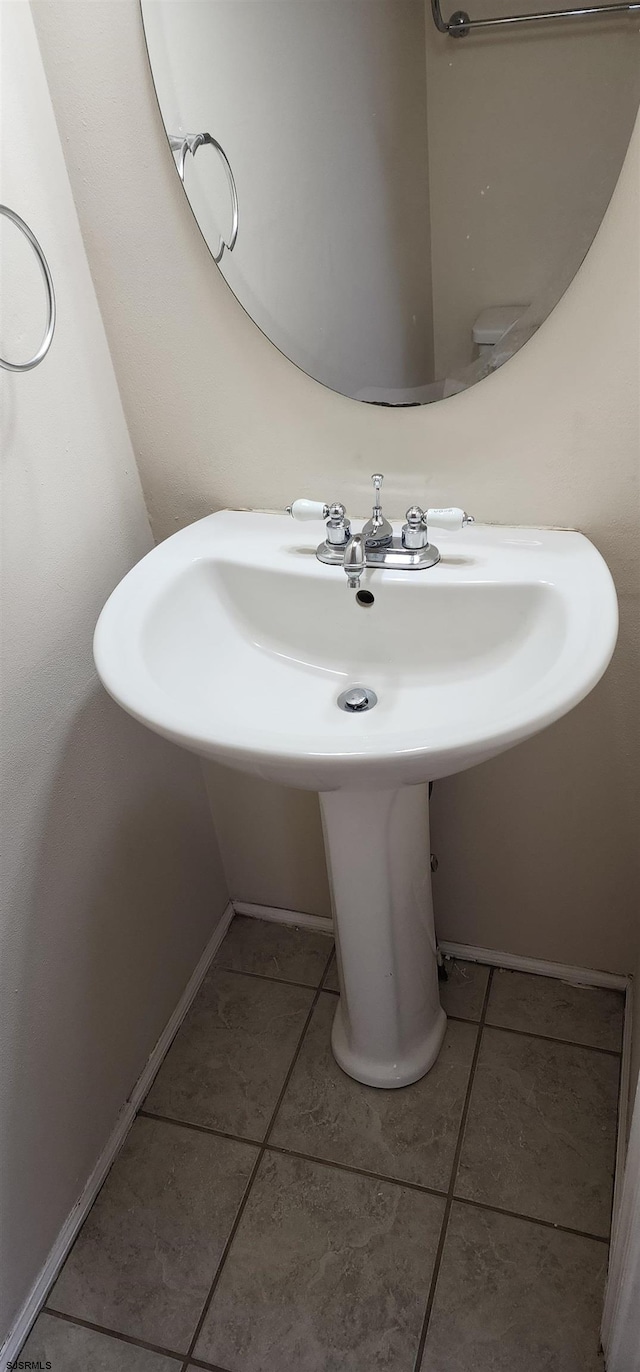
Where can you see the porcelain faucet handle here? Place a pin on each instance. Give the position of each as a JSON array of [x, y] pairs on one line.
[[338, 526], [450, 517], [308, 509]]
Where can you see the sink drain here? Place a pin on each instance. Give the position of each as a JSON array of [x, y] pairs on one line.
[[357, 699]]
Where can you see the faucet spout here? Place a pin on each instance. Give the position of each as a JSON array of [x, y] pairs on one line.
[[354, 560]]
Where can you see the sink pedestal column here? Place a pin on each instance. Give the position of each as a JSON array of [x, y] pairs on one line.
[[389, 1023]]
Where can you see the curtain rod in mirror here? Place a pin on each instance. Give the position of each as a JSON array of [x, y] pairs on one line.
[[460, 24]]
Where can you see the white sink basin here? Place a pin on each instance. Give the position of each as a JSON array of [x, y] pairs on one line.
[[233, 640]]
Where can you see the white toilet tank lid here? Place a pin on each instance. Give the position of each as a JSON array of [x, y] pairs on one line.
[[493, 323]]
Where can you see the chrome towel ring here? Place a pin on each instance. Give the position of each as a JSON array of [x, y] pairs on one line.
[[181, 145], [51, 298]]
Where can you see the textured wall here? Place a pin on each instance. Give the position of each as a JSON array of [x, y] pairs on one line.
[[538, 849], [111, 883], [528, 128]]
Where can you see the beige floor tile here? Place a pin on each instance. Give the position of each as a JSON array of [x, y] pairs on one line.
[[513, 1296], [543, 1005], [328, 1272], [462, 994], [275, 950], [147, 1253], [229, 1060], [409, 1134], [541, 1131]]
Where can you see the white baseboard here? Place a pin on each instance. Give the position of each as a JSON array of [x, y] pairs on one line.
[[184, 1004], [514, 962], [278, 916], [75, 1219], [624, 1104]]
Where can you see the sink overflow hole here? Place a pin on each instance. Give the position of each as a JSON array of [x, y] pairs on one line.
[[364, 598]]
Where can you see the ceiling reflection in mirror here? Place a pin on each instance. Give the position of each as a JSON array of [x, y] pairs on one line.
[[398, 209]]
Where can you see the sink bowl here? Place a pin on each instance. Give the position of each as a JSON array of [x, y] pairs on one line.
[[233, 640]]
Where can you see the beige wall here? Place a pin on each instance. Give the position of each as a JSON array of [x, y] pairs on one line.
[[528, 128], [271, 842], [538, 849], [111, 883]]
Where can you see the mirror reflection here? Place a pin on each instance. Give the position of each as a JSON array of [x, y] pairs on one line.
[[397, 208]]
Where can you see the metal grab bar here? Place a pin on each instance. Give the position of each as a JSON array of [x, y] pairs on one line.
[[51, 298], [459, 25], [190, 143]]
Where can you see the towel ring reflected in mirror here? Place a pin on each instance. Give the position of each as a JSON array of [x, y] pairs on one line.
[[180, 146]]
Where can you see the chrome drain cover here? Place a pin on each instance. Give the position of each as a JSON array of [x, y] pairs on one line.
[[357, 699]]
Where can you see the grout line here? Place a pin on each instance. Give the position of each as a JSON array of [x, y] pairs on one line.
[[356, 1171], [232, 1234], [264, 976], [253, 1174], [550, 1038], [110, 1333], [462, 1019], [200, 1128], [327, 970], [530, 1219], [454, 1171], [208, 1366], [296, 1054]]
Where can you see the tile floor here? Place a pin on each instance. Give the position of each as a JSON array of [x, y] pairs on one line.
[[268, 1214]]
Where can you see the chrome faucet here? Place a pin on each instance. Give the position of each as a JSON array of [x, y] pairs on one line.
[[377, 532], [354, 560], [377, 545]]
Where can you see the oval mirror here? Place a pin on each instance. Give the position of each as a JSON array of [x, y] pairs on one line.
[[397, 200]]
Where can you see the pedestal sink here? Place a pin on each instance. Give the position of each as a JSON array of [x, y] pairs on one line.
[[232, 639]]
